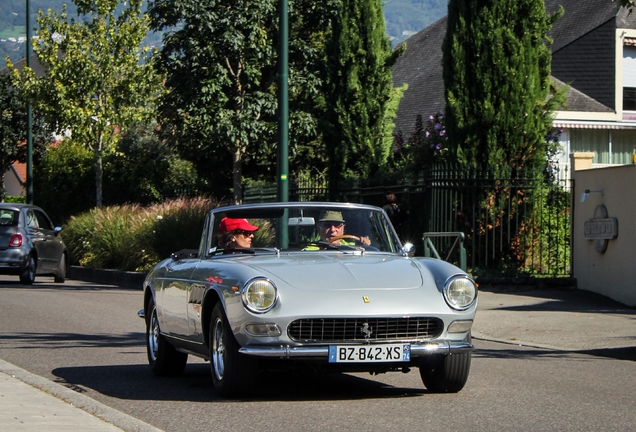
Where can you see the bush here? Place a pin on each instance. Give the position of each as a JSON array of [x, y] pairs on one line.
[[20, 199], [64, 181], [135, 238]]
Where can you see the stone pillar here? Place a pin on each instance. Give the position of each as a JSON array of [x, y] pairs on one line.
[[581, 160]]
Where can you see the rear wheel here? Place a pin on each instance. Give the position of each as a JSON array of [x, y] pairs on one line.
[[163, 358], [27, 276], [446, 374], [233, 373], [60, 273]]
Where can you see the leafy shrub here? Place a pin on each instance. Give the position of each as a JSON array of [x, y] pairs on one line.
[[20, 199], [64, 181]]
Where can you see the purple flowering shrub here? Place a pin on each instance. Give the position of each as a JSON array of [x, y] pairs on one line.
[[428, 144]]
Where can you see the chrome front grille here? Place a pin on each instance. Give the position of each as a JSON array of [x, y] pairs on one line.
[[357, 329]]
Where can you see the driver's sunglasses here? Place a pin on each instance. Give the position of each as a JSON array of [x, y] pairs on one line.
[[336, 225], [245, 233]]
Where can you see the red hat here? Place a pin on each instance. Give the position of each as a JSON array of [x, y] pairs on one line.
[[228, 224]]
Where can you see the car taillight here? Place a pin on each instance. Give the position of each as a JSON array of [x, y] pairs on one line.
[[16, 240]]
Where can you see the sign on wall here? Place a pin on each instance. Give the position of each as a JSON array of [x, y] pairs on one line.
[[601, 228]]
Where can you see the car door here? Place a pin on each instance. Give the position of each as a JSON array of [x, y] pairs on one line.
[[37, 239], [49, 246], [174, 298]]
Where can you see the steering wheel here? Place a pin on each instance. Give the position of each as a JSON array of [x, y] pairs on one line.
[[346, 236]]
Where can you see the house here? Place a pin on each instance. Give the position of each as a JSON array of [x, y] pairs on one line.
[[15, 180], [594, 52]]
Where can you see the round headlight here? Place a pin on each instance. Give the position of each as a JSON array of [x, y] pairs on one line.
[[259, 295], [460, 292]]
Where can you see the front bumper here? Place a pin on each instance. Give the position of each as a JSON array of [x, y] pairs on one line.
[[418, 349]]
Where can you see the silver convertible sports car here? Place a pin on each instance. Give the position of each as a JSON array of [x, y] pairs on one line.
[[323, 285]]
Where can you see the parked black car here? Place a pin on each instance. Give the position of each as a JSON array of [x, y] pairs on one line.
[[29, 244]]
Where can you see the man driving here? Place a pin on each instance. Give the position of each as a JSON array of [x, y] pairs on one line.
[[331, 227]]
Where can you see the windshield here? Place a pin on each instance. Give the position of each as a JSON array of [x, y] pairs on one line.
[[301, 227]]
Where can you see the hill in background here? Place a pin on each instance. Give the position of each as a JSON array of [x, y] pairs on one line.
[[403, 18]]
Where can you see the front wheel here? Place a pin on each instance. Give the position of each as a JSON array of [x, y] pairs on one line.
[[163, 358], [232, 373], [60, 273], [27, 276], [446, 374]]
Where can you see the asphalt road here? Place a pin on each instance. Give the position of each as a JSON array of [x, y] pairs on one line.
[[89, 338]]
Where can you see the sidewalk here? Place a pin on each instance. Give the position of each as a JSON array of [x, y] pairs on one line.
[[31, 403], [559, 319]]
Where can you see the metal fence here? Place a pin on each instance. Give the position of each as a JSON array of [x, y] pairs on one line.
[[515, 223]]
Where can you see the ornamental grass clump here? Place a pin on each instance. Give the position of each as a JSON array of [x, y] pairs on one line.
[[178, 225], [112, 238], [135, 238]]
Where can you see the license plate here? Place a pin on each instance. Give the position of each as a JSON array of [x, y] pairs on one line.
[[369, 353]]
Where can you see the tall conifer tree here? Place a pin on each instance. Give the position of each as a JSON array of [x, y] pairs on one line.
[[496, 60], [359, 90]]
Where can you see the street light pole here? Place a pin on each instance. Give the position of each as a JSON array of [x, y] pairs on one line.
[[29, 174], [283, 121], [283, 104]]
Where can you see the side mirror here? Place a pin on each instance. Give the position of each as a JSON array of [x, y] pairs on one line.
[[408, 250], [184, 254]]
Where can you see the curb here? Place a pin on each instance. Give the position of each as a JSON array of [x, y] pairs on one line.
[[123, 279]]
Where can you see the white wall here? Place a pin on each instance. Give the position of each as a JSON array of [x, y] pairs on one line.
[[613, 273]]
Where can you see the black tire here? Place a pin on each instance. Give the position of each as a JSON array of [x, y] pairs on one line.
[[446, 373], [163, 358], [27, 276], [60, 273], [233, 373]]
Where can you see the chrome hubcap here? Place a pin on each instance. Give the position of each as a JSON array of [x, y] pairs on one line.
[[218, 350], [153, 335]]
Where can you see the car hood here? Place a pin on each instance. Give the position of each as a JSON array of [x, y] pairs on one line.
[[332, 271]]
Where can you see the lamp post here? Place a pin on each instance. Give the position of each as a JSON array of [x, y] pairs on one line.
[[283, 120], [283, 104], [29, 174]]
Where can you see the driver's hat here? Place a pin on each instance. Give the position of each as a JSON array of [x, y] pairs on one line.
[[331, 216]]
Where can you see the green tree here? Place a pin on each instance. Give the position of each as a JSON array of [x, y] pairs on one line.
[[144, 169], [625, 3], [96, 84], [220, 63], [496, 61], [13, 128], [359, 91]]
